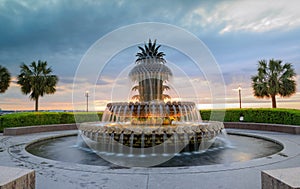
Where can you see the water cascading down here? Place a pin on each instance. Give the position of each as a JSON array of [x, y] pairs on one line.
[[151, 122]]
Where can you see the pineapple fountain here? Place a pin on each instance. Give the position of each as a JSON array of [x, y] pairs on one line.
[[152, 124]]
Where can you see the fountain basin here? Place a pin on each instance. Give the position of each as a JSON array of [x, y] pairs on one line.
[[244, 147]]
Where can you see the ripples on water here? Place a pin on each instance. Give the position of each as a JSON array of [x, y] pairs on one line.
[[224, 151]]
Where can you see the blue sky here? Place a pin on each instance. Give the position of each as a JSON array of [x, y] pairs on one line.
[[238, 33]]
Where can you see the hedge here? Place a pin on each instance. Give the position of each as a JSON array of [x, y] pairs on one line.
[[277, 116], [46, 118], [259, 115]]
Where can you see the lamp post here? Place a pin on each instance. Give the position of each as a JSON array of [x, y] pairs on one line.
[[240, 95], [87, 100]]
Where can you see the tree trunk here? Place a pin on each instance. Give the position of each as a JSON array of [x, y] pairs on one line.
[[274, 101], [37, 104]]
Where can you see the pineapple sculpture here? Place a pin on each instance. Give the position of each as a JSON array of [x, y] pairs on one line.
[[150, 73], [151, 121]]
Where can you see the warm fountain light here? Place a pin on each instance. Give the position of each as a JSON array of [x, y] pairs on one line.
[[152, 123]]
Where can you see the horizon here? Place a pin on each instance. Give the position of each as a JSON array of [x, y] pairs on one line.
[[237, 33], [265, 105]]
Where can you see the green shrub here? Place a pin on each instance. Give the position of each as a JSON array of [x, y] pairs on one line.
[[87, 117], [277, 116], [67, 117], [46, 118], [29, 118], [259, 115]]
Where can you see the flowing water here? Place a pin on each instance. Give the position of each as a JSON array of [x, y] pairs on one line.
[[223, 151]]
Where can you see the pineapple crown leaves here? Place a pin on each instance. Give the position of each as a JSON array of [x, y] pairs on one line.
[[150, 51]]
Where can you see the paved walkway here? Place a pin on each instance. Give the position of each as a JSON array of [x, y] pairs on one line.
[[59, 175]]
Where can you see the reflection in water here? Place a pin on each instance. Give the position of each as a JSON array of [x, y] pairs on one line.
[[240, 148]]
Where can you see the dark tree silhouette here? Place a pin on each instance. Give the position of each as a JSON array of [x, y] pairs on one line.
[[37, 80], [5, 78], [274, 78]]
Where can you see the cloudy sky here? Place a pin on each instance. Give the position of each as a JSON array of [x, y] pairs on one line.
[[238, 34]]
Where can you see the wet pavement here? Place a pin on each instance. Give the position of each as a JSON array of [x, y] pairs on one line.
[[63, 175]]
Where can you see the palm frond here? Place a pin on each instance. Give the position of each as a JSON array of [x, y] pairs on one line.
[[150, 50], [136, 97], [274, 78], [135, 88], [37, 80], [5, 79], [166, 87], [165, 96]]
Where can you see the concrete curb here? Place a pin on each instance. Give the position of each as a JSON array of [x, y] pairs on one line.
[[291, 129], [281, 178], [15, 178], [37, 129]]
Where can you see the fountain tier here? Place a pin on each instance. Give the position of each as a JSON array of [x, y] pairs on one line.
[[151, 113], [138, 136], [150, 121]]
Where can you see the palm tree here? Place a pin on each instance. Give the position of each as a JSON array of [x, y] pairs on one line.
[[4, 79], [274, 78], [37, 80]]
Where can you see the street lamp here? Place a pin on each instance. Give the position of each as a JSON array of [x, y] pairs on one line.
[[240, 95], [87, 100]]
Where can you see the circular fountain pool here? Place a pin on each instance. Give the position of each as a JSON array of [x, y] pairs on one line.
[[241, 148]]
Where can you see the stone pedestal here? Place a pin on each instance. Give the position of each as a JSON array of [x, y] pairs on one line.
[[16, 178], [281, 178]]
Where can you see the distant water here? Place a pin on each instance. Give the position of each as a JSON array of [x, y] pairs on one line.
[[264, 104], [289, 105]]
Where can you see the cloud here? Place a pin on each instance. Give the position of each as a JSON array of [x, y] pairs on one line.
[[76, 24], [239, 33], [62, 31], [250, 16]]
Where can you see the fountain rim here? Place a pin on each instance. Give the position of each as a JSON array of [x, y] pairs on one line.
[[186, 127], [288, 148]]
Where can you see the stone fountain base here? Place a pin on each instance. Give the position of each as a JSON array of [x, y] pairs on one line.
[[189, 136]]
